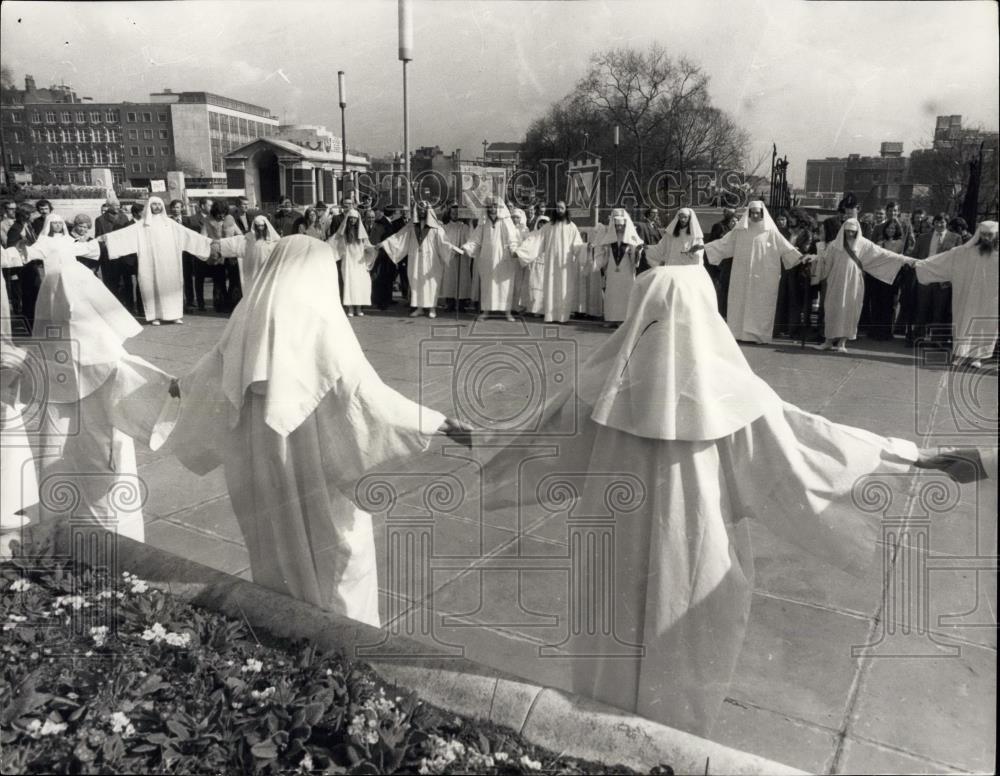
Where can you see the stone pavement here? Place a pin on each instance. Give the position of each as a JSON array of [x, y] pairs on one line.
[[895, 672]]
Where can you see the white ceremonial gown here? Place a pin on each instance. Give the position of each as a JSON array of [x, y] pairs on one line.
[[289, 405], [619, 279], [555, 245], [355, 260], [159, 241], [758, 251], [250, 252], [845, 279], [701, 443], [678, 251], [428, 259], [491, 247], [98, 398], [457, 280], [974, 282]]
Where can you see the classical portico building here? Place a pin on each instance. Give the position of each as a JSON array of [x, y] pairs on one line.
[[305, 166]]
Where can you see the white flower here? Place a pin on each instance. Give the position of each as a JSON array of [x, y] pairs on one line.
[[478, 761], [357, 726], [13, 620], [120, 724], [155, 634], [531, 765], [37, 729], [20, 585], [139, 586], [501, 757], [99, 634], [75, 602], [262, 695], [307, 763], [178, 639], [252, 666], [443, 754], [106, 594]]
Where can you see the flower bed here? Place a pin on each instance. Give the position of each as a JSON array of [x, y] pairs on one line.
[[110, 675]]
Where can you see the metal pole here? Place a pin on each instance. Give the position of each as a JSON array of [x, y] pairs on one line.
[[405, 55], [343, 131]]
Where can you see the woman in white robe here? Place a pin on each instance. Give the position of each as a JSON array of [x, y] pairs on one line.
[[681, 244], [54, 239], [251, 250], [289, 405], [456, 285], [429, 253], [972, 271], [702, 442], [758, 251], [159, 242], [356, 256], [97, 398], [843, 265], [618, 255], [491, 247]]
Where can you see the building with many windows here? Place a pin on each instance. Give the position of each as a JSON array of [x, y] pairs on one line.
[[148, 141]]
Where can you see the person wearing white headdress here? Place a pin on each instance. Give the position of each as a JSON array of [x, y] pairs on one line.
[[555, 245], [972, 271], [522, 275], [251, 250], [95, 400], [758, 251], [288, 404], [427, 250], [618, 254], [53, 237], [843, 265], [356, 256], [676, 441], [682, 242], [456, 285], [159, 242], [491, 247]]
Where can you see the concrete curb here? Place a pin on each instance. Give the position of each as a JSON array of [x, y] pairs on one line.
[[554, 719]]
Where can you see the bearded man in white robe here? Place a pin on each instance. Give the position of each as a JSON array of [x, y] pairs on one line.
[[251, 250], [972, 271], [758, 251], [491, 247], [159, 242], [427, 250], [555, 245], [681, 243], [456, 285], [97, 399], [670, 402], [290, 406], [843, 265]]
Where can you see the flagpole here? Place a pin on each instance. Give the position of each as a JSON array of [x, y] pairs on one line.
[[405, 56]]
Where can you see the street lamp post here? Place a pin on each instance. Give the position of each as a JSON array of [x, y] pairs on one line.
[[405, 56], [615, 191], [343, 131], [485, 143]]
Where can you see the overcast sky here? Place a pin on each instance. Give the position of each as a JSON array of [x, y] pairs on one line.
[[818, 78]]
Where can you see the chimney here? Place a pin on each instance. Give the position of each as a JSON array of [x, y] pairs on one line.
[[168, 91], [29, 83]]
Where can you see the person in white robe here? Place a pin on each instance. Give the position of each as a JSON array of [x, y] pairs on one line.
[[54, 238], [536, 275], [522, 275], [251, 250], [491, 247], [97, 399], [843, 265], [590, 276], [972, 271], [618, 255], [702, 442], [288, 404], [427, 250], [555, 245], [758, 251], [355, 256], [159, 242], [456, 285], [683, 242]]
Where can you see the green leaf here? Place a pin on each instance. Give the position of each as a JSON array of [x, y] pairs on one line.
[[178, 729], [313, 713], [264, 750]]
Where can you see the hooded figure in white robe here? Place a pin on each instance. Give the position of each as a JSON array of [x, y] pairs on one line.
[[555, 245], [429, 252], [159, 242], [670, 402], [758, 251], [491, 247], [522, 275], [97, 399], [843, 265], [251, 250], [456, 285], [679, 245], [972, 271], [289, 405], [356, 256], [54, 238], [618, 255], [590, 276]]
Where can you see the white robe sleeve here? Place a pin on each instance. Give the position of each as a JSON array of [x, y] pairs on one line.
[[474, 243], [188, 240], [796, 473], [397, 246], [86, 249], [138, 393], [530, 249], [820, 269], [881, 263], [122, 242], [233, 247], [720, 249], [656, 255], [937, 269], [10, 258], [790, 255]]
